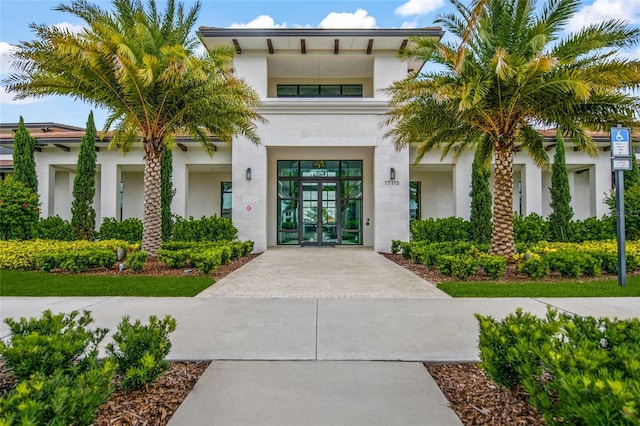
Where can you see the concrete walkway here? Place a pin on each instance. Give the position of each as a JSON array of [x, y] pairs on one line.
[[281, 359], [312, 272]]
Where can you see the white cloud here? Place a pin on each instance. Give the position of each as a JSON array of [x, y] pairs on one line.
[[72, 28], [262, 21], [6, 49], [359, 19], [419, 7], [602, 10], [410, 24]]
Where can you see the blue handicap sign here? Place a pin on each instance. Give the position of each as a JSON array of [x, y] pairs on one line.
[[620, 142], [620, 134]]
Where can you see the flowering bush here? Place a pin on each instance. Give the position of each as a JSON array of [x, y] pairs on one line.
[[19, 210]]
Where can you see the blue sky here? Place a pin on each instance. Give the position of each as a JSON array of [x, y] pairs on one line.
[[15, 16]]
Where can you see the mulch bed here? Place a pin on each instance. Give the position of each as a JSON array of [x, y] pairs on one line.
[[154, 405], [479, 401], [475, 398]]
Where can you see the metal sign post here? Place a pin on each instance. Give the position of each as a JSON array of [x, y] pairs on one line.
[[620, 161]]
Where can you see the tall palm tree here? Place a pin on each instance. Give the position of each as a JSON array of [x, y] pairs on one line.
[[141, 64], [516, 72]]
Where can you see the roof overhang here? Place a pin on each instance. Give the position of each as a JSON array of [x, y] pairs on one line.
[[308, 41]]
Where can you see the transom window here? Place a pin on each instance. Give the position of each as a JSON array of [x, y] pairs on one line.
[[319, 90]]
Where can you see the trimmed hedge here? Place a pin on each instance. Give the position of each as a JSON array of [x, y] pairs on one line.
[[24, 255], [207, 257]]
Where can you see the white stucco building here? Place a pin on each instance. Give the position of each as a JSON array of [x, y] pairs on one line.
[[324, 172]]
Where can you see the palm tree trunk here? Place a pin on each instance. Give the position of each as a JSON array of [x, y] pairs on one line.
[[502, 242], [152, 220]]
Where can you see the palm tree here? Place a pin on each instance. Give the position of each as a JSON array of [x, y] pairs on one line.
[[140, 63], [515, 73]]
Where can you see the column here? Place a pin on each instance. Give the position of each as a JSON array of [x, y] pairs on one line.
[[249, 196], [531, 189], [391, 196], [462, 185], [109, 191], [600, 184]]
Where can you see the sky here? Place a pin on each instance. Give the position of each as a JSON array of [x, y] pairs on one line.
[[16, 15]]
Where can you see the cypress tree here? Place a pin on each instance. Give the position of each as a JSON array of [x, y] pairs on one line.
[[24, 165], [632, 177], [562, 214], [166, 192], [83, 215], [480, 219]]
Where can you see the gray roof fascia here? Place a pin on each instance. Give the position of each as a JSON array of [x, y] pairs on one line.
[[318, 32]]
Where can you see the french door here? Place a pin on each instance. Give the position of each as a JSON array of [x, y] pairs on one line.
[[319, 212]]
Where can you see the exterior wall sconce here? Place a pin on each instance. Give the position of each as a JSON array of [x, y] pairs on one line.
[[248, 174], [392, 173]]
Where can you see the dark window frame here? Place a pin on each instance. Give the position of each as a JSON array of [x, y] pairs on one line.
[[319, 91]]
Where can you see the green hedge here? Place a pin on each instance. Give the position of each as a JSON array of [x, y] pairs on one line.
[[207, 257], [526, 229], [128, 230], [576, 370], [211, 228]]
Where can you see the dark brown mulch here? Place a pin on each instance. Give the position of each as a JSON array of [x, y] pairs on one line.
[[153, 267], [154, 405], [479, 401]]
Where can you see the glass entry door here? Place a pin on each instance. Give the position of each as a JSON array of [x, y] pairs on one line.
[[319, 212]]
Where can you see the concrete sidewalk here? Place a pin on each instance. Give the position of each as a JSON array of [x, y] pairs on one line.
[[316, 361], [316, 329]]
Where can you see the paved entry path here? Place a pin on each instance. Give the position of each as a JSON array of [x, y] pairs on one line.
[[310, 272]]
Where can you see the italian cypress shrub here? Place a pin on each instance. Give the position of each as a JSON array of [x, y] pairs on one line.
[[480, 219], [24, 164], [166, 193], [83, 215], [560, 218]]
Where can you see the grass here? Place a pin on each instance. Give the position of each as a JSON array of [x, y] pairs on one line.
[[604, 288], [21, 283]]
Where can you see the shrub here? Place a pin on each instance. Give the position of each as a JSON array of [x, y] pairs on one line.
[[576, 370], [209, 260], [535, 267], [493, 266], [129, 230], [211, 228], [504, 344], [440, 230], [76, 260], [141, 350], [573, 263], [136, 260], [26, 254], [529, 229], [396, 246], [59, 398], [52, 342], [19, 210], [460, 266], [53, 228], [593, 229]]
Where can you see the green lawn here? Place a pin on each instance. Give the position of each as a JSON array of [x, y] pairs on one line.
[[605, 288], [19, 283]]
